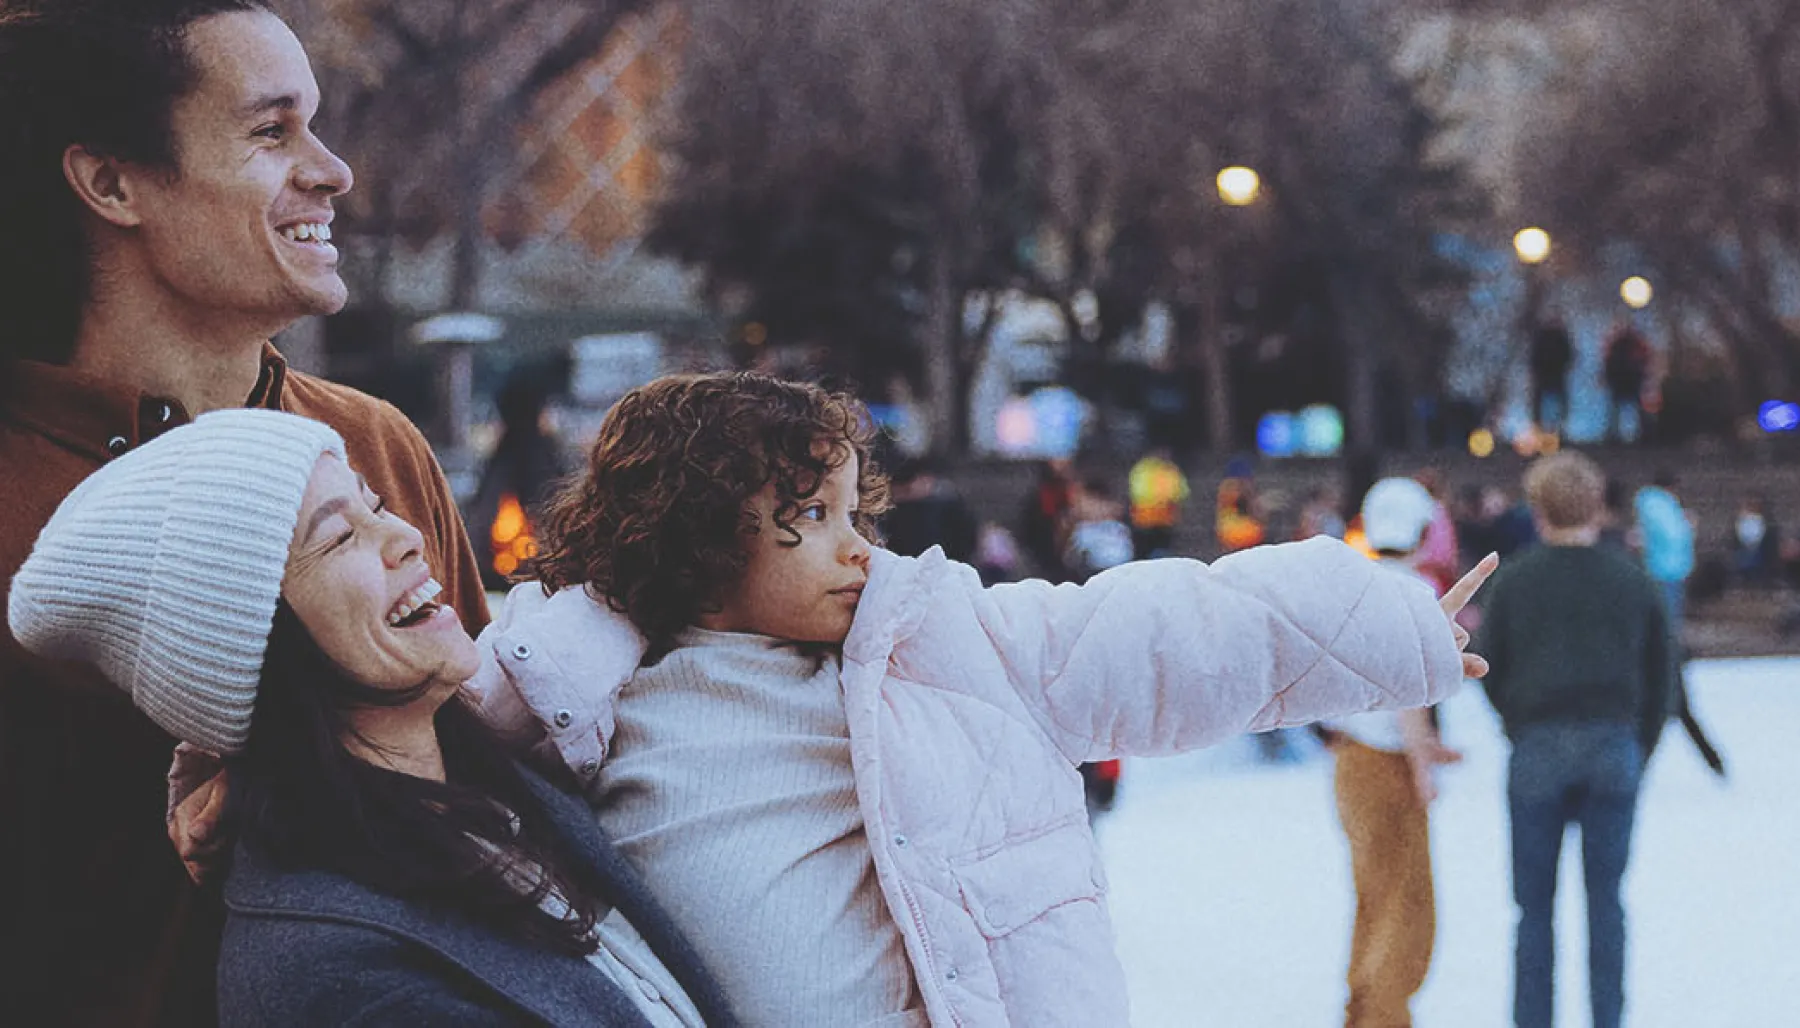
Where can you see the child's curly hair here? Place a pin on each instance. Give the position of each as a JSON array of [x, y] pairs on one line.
[[655, 526]]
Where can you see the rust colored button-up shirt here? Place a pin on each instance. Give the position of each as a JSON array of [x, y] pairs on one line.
[[98, 923]]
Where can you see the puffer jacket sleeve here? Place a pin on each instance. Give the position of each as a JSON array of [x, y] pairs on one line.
[[550, 669], [492, 695], [1166, 655]]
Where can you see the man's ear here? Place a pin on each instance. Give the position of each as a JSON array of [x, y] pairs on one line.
[[103, 185]]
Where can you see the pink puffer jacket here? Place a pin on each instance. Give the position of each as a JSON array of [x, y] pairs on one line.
[[969, 708]]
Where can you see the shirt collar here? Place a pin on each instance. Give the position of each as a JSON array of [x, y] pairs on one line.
[[103, 419]]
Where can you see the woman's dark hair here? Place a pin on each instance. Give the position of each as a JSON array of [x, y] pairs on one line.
[[305, 801], [656, 524], [103, 74]]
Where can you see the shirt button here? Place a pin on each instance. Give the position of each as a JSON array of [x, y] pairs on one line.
[[950, 975], [900, 841], [564, 719], [589, 767], [117, 445], [167, 413], [522, 652]]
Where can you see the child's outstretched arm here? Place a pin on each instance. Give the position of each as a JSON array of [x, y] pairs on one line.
[[1166, 655]]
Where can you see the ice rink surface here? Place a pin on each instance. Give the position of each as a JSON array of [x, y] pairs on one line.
[[1231, 882]]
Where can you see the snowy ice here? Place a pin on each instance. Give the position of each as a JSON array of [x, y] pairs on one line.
[[1231, 881]]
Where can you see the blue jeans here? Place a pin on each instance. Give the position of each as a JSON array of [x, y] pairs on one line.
[[1587, 773]]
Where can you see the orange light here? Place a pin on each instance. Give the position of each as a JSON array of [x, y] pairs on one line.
[[510, 537]]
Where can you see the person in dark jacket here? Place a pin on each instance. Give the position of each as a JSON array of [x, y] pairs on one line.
[[1551, 354], [167, 210], [526, 465], [394, 865], [1625, 369], [1581, 675]]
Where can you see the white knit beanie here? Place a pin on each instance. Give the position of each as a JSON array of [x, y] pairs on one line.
[[162, 568]]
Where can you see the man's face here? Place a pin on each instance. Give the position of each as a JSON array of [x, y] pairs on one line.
[[243, 229]]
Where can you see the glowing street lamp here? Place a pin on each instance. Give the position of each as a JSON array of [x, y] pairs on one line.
[[1636, 292], [1239, 186], [1532, 245]]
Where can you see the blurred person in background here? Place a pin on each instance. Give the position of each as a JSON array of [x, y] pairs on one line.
[[1044, 522], [1616, 529], [168, 211], [1156, 489], [1509, 519], [1385, 782], [1666, 531], [1237, 522], [1551, 355], [928, 511], [1618, 534], [1098, 536], [1474, 531], [519, 475], [1320, 514], [1581, 678], [1438, 557], [1098, 539], [1625, 370], [996, 555], [1757, 556]]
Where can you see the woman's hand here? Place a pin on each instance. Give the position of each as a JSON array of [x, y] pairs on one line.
[[1452, 603]]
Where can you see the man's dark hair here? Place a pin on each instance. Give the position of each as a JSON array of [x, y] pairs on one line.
[[102, 74]]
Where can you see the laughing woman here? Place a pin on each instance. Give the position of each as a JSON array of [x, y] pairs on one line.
[[395, 866]]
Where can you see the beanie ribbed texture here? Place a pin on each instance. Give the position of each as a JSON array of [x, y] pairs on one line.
[[163, 568]]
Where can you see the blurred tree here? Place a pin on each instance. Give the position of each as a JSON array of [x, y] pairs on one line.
[[1678, 138], [426, 98], [863, 175]]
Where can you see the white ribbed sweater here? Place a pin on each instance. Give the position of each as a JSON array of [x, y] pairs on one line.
[[729, 786]]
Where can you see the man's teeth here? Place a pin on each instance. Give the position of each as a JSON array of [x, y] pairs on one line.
[[413, 600], [308, 232]]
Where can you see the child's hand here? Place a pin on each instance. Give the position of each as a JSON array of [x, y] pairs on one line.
[[1452, 604]]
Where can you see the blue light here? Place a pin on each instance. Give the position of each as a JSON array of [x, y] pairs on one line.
[[1778, 416], [1275, 434], [1321, 430]]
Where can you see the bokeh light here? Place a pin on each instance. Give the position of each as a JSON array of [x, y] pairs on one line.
[[1239, 186], [1532, 245], [1481, 443]]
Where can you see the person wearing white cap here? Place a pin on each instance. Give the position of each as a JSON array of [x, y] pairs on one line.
[[255, 598], [1384, 784]]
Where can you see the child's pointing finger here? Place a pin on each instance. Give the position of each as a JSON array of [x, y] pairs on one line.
[[1460, 593]]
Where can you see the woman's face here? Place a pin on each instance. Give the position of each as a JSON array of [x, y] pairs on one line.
[[357, 579]]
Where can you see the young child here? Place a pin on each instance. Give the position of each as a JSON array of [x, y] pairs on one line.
[[1385, 762], [851, 775]]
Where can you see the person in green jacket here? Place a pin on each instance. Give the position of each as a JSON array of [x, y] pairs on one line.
[[1578, 642]]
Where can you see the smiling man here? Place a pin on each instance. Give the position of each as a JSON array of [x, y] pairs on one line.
[[167, 210]]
